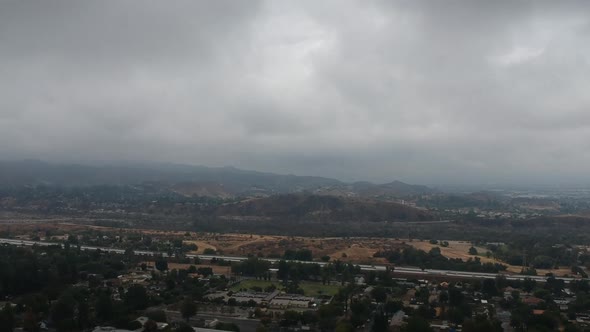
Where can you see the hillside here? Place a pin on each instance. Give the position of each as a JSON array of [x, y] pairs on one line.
[[200, 178], [302, 207], [395, 188]]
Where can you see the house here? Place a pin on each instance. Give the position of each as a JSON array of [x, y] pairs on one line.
[[291, 300], [135, 278], [271, 296], [109, 329], [142, 320], [274, 299], [4, 304], [202, 329], [563, 303], [532, 300], [397, 320], [508, 293], [440, 326], [360, 280], [43, 326]]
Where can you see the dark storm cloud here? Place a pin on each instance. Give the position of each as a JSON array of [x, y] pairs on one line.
[[423, 91]]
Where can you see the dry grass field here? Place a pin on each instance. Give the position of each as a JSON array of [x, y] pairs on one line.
[[346, 249], [456, 249]]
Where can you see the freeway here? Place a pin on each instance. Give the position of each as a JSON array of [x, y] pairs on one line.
[[414, 271]]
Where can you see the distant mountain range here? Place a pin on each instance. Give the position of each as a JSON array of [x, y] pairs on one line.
[[194, 180]]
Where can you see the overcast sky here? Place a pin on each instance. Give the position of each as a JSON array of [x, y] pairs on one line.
[[432, 92]]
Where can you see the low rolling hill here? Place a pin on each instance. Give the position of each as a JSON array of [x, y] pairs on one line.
[[320, 208], [222, 182]]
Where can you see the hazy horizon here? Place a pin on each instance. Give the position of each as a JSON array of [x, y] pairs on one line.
[[444, 186], [435, 93]]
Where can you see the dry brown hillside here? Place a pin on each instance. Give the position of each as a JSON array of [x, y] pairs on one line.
[[302, 207]]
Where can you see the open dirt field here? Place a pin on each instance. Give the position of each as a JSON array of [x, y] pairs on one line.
[[456, 249]]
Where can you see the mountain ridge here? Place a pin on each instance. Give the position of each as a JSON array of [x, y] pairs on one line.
[[192, 180]]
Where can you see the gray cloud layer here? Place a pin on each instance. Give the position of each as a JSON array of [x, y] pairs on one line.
[[423, 91]]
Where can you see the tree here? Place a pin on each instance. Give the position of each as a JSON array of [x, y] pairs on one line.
[[379, 294], [62, 313], [455, 315], [528, 285], [227, 327], [344, 326], [7, 319], [83, 314], [520, 316], [569, 327], [72, 239], [480, 324], [290, 318], [443, 297], [417, 324], [328, 315], [472, 251], [380, 323], [136, 297], [104, 307], [359, 312], [554, 285], [488, 287], [157, 315], [455, 297], [133, 325], [184, 328], [150, 326], [391, 307], [188, 309], [501, 282], [30, 321], [162, 264], [543, 262], [205, 271], [209, 251]]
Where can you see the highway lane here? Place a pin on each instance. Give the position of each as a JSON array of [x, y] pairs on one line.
[[398, 269]]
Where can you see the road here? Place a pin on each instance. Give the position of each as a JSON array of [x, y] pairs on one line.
[[414, 271]]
